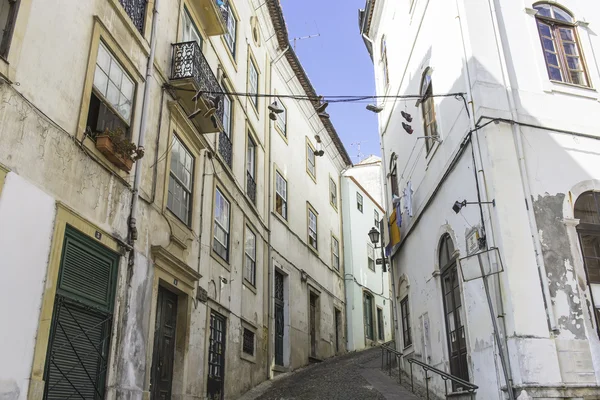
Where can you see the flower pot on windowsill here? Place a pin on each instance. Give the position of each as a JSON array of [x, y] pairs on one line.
[[105, 144]]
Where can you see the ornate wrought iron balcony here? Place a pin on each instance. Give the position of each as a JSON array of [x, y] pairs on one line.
[[250, 187], [190, 70], [225, 148], [136, 9]]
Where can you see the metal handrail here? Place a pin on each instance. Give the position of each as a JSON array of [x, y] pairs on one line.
[[469, 387], [386, 350]]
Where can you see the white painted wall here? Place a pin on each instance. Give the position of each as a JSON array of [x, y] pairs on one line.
[[26, 226]]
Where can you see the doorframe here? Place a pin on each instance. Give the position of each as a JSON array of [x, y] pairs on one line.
[[225, 313], [177, 277], [317, 293]]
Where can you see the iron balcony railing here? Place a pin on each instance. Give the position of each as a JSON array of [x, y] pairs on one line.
[[250, 187], [189, 62], [136, 9], [224, 6], [225, 148]]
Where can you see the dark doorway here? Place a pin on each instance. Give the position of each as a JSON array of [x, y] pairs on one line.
[[279, 318], [313, 324], [380, 332], [164, 344], [338, 330], [216, 357]]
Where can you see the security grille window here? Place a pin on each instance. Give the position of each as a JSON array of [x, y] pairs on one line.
[[281, 122], [227, 115], [248, 345], [560, 43], [231, 33], [8, 18], [587, 210], [311, 165], [333, 193], [376, 218], [312, 229], [394, 176], [79, 343], [428, 110], [368, 315], [406, 332], [359, 202], [180, 181], [190, 32], [221, 233], [112, 95], [371, 257], [280, 195], [253, 83], [384, 62], [250, 257], [335, 253]]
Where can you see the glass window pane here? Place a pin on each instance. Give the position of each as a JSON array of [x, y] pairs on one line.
[[103, 59], [544, 10], [227, 115], [552, 59], [567, 34], [555, 74], [561, 15], [593, 269], [113, 94], [100, 81], [586, 209], [590, 245], [545, 29], [127, 87], [570, 49], [548, 44], [116, 74], [573, 63]]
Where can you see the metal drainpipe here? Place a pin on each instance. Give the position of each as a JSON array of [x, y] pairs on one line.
[[133, 233], [517, 135]]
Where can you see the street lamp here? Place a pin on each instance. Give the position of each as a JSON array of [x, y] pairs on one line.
[[374, 237]]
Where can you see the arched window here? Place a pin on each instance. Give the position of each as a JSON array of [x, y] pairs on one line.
[[587, 210], [453, 310], [394, 176], [428, 109], [560, 42], [384, 62]]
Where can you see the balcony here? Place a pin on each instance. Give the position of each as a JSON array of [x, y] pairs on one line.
[[191, 74], [225, 148], [250, 187], [213, 16]]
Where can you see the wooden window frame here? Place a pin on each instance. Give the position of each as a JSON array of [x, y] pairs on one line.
[[406, 326], [394, 187], [371, 251], [428, 114], [253, 64], [368, 316], [384, 62], [231, 48], [228, 231], [310, 210], [188, 221], [285, 200], [333, 193], [376, 218], [281, 120], [555, 25], [9, 28], [335, 258], [360, 202], [311, 148], [380, 324], [251, 257]]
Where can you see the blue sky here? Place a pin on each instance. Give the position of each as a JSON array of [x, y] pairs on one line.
[[337, 63]]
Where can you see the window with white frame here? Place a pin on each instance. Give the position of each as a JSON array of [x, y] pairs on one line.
[[376, 219], [384, 62], [222, 225], [359, 202], [280, 195], [190, 32], [311, 165], [227, 115], [312, 229], [8, 18], [179, 200], [253, 82], [231, 33], [250, 257], [281, 122], [371, 256], [333, 193], [335, 253]]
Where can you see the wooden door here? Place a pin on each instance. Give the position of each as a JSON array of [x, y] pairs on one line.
[[216, 357], [313, 325], [455, 329], [279, 318], [164, 345]]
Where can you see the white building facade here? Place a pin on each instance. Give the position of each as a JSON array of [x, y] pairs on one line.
[[368, 296], [494, 104], [137, 201]]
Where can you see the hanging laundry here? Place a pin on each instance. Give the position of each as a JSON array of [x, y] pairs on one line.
[[408, 193]]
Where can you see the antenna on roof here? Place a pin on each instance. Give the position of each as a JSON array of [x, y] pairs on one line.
[[359, 155], [307, 37]]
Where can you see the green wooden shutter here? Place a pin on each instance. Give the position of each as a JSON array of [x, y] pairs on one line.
[[82, 322]]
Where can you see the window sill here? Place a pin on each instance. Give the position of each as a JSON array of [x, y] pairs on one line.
[[315, 251], [248, 358], [314, 178], [249, 286], [571, 89], [432, 151], [229, 54], [280, 218], [90, 146], [281, 133], [219, 259]]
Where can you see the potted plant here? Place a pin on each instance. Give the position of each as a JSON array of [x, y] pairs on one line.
[[115, 146]]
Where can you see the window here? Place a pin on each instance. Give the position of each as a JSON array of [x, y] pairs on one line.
[[371, 257], [368, 315], [281, 122], [253, 82], [221, 233], [335, 253], [384, 62], [311, 165], [136, 9], [231, 33], [380, 324], [587, 210], [250, 259], [376, 219], [406, 333], [560, 43], [112, 95], [359, 202], [333, 193], [190, 32], [248, 344], [8, 18], [227, 115], [394, 176], [181, 178], [251, 169], [428, 110], [312, 228], [280, 195]]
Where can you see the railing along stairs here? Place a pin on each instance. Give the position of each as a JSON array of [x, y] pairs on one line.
[[390, 356]]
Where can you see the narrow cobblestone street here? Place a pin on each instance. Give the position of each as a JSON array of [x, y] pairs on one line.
[[353, 376]]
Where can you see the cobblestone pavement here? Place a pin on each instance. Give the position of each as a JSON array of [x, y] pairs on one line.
[[350, 377]]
